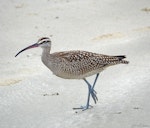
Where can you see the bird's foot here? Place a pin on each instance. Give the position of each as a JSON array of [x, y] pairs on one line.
[[84, 107], [93, 94]]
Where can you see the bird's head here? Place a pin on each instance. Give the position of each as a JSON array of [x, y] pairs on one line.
[[43, 42]]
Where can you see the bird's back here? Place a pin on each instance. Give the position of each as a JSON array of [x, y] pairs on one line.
[[81, 64]]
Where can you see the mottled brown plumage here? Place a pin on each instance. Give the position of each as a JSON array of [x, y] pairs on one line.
[[79, 64]]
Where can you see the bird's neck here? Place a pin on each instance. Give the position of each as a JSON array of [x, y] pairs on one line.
[[46, 51], [45, 55]]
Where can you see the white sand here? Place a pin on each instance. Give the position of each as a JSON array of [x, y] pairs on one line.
[[28, 88]]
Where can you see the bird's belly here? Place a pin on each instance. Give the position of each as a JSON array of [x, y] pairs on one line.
[[77, 71], [74, 75]]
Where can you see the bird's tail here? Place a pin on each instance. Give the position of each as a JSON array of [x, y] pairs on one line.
[[121, 57]]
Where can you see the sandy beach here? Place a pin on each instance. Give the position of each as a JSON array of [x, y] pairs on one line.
[[32, 97]]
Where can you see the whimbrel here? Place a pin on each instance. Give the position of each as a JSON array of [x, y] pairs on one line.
[[76, 64]]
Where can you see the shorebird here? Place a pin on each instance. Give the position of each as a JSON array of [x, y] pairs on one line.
[[76, 64]]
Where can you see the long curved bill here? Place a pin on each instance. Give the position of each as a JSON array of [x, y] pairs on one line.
[[29, 47]]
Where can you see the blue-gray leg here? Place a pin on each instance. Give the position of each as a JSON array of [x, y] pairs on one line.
[[88, 100], [92, 92], [95, 80]]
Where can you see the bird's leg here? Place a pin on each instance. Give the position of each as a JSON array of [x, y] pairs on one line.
[[88, 100], [95, 80], [93, 92], [90, 90]]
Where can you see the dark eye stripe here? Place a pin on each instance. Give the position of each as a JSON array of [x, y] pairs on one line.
[[43, 42]]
